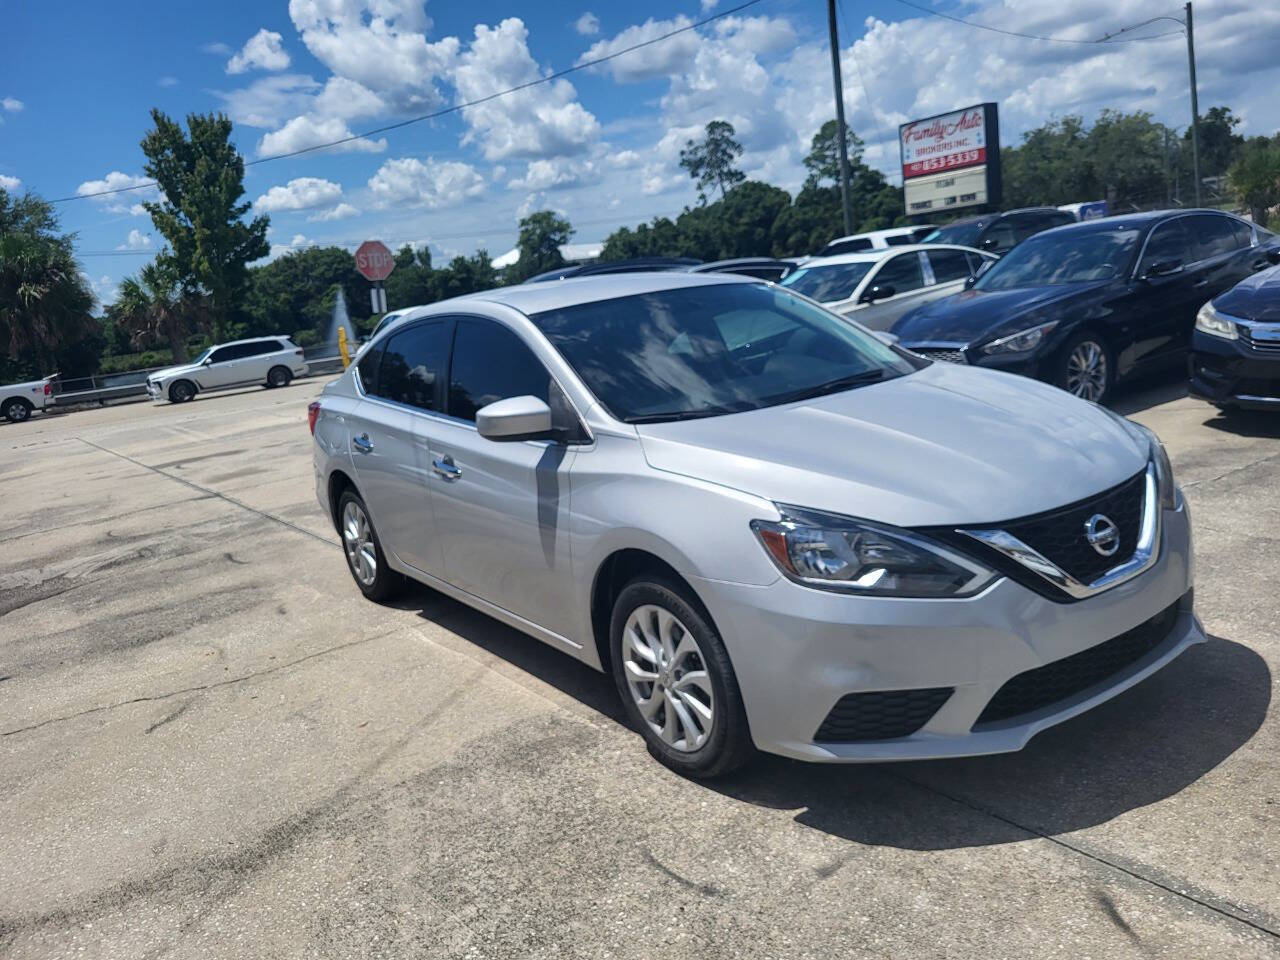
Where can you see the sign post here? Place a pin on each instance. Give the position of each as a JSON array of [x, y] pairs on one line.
[[951, 161], [374, 262]]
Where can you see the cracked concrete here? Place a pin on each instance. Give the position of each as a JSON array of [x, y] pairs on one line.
[[213, 747]]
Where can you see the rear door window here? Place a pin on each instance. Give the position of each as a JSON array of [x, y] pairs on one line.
[[1243, 233], [949, 265], [901, 272], [413, 364], [367, 368], [900, 240], [999, 236], [491, 363], [1213, 233]]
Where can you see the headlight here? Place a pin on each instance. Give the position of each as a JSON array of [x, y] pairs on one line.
[[1021, 342], [839, 553], [1158, 456], [1216, 324]]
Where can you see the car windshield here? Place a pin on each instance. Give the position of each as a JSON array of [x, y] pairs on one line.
[[965, 234], [707, 350], [829, 282], [204, 356], [1056, 259]]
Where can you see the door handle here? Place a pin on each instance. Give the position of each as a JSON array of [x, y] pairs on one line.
[[362, 443], [446, 468], [1261, 264], [1199, 284]]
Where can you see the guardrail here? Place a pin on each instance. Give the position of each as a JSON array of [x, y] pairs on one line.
[[322, 359]]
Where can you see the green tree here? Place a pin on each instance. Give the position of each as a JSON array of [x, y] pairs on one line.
[[542, 234], [44, 299], [739, 225], [1220, 145], [711, 162], [201, 177], [823, 159], [1255, 178], [1051, 166], [155, 307], [659, 239], [297, 292]]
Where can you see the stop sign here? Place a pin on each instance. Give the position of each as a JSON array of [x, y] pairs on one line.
[[374, 261]]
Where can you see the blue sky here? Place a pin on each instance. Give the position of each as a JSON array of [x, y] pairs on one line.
[[79, 78]]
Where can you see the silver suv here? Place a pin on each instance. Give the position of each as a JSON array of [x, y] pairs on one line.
[[268, 361], [773, 529]]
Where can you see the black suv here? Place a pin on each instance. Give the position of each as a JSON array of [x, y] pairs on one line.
[[999, 233]]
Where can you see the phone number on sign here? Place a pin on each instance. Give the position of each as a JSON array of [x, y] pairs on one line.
[[963, 159]]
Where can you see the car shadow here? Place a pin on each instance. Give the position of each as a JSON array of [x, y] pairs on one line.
[[1147, 391], [1260, 424], [1147, 744]]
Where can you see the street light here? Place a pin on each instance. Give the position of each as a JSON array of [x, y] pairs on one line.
[[1186, 24]]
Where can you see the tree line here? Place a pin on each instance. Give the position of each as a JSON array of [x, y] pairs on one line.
[[204, 285]]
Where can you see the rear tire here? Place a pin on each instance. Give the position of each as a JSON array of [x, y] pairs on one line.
[[180, 391], [676, 682], [17, 410], [1085, 367], [363, 550], [279, 377]]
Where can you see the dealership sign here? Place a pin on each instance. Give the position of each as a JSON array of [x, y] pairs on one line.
[[951, 160]]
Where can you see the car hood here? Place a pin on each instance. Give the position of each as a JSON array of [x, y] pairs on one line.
[[976, 315], [186, 369], [945, 445], [1256, 297]]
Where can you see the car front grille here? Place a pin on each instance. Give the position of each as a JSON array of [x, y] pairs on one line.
[[1268, 346], [945, 354], [1057, 681], [1059, 535], [881, 715]]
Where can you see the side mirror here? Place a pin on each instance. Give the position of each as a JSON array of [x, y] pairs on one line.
[[516, 418], [877, 291], [1163, 268], [990, 243], [969, 281], [207, 362]]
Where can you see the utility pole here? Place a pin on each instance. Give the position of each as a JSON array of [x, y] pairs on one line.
[[841, 136], [1195, 103]]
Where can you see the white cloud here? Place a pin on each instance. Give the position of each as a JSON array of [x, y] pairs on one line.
[[137, 240], [9, 183], [307, 131], [304, 193], [556, 173], [263, 51], [347, 99], [126, 200], [12, 104], [588, 24], [268, 101], [341, 212], [167, 82], [217, 49], [542, 121], [709, 5], [651, 62], [380, 44], [409, 181]]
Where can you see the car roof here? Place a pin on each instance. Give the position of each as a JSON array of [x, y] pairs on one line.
[[572, 291], [232, 343], [714, 265], [874, 256], [1137, 221]]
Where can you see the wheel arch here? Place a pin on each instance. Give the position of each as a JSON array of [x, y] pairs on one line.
[[339, 483]]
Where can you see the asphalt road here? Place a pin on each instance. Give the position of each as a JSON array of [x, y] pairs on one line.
[[211, 746]]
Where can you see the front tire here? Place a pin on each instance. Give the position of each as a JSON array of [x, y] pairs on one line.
[[363, 550], [1085, 367], [676, 682], [17, 411], [279, 377], [180, 391]]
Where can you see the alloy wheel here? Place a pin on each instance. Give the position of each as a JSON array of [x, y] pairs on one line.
[[18, 412], [667, 677], [1087, 371], [357, 538]]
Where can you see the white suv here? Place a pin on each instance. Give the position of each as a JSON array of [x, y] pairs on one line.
[[270, 361]]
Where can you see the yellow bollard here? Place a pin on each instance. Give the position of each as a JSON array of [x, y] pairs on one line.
[[342, 347]]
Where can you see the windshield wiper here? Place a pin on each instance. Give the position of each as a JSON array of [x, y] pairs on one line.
[[678, 415], [833, 386]]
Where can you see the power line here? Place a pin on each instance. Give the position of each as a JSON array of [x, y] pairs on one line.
[[584, 65], [1033, 36]]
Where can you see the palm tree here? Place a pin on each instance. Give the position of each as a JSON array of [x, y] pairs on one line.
[[156, 306], [44, 299]]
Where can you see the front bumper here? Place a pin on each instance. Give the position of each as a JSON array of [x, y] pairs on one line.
[[154, 390], [1233, 373], [797, 651]]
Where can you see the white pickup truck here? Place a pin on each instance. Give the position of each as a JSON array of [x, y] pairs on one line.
[[19, 400]]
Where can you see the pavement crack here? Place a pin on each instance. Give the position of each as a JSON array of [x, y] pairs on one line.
[[199, 688], [171, 716], [1183, 891], [1247, 466], [209, 491]]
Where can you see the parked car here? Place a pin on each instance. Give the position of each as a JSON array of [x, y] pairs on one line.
[[1235, 347], [598, 267], [877, 287], [877, 240], [773, 530], [1084, 305], [385, 321], [762, 268], [999, 233], [19, 400], [269, 361]]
